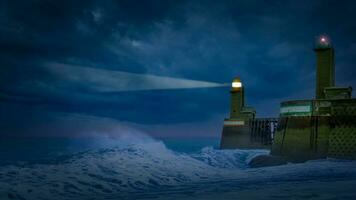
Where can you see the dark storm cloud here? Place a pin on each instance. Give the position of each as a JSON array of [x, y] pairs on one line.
[[267, 43]]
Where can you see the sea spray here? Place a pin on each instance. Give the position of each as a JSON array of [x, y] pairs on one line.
[[137, 166]]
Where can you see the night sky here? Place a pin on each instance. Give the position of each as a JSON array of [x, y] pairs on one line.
[[268, 44]]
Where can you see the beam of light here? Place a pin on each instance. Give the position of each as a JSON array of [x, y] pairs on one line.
[[103, 80]]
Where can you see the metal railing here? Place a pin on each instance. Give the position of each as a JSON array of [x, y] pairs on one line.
[[262, 130]]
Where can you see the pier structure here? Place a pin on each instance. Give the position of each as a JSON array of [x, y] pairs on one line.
[[321, 127], [305, 129], [242, 130]]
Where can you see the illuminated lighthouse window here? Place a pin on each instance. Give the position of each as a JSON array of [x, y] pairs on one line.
[[236, 84]]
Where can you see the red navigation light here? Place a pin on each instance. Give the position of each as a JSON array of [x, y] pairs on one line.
[[324, 40]]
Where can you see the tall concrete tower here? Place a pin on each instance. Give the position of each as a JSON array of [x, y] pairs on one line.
[[237, 98], [325, 66]]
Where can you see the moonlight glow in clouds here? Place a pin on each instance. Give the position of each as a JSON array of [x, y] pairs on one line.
[[103, 80]]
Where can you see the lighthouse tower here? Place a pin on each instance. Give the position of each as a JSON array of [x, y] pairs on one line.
[[237, 98], [325, 66], [236, 130]]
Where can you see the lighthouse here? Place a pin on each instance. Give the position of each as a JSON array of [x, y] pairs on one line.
[[325, 66], [236, 128], [321, 127]]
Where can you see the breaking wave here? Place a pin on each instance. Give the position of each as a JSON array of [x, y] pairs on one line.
[[140, 165]]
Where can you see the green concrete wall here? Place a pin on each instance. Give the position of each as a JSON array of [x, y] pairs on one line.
[[237, 103], [293, 138], [235, 137], [239, 137], [302, 138], [322, 133], [326, 133]]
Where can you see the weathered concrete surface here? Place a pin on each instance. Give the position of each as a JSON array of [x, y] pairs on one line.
[[302, 138], [239, 137], [235, 137], [329, 132]]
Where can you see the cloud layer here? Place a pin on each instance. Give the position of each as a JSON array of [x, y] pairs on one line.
[[267, 44]]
